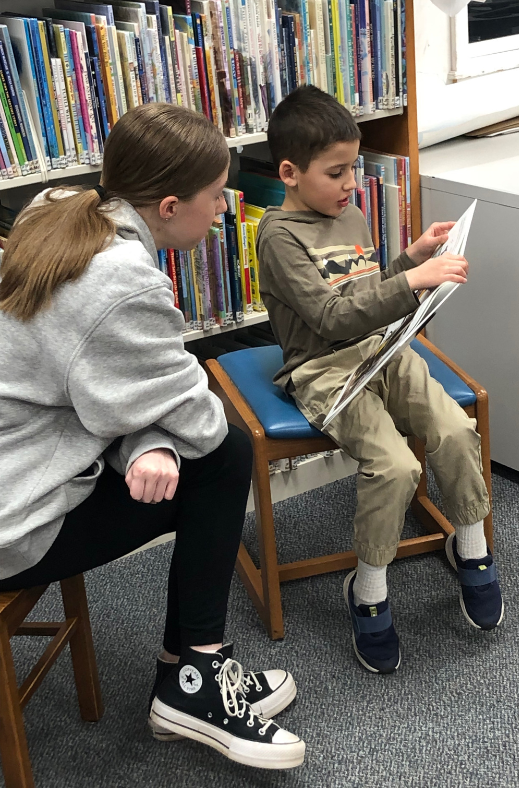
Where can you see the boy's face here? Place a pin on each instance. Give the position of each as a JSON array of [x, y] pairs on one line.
[[327, 184]]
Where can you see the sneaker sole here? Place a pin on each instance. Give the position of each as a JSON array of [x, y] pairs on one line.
[[349, 579], [449, 552], [263, 756], [274, 704]]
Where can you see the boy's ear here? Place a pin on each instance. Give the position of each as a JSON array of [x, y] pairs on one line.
[[288, 173]]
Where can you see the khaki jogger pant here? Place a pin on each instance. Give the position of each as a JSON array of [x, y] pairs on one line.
[[400, 400]]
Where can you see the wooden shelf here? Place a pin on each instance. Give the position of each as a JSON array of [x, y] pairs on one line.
[[248, 320]]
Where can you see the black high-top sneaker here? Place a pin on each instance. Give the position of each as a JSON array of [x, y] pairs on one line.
[[202, 699], [268, 692]]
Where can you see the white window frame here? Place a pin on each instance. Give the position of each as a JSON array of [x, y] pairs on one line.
[[481, 57]]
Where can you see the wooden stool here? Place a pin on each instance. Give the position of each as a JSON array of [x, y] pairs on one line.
[[14, 607], [277, 429]]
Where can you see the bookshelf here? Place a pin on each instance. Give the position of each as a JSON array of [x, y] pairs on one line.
[[388, 130]]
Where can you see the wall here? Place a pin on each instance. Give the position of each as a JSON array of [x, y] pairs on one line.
[[448, 110]]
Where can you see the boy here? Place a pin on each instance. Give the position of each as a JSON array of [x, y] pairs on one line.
[[328, 304]]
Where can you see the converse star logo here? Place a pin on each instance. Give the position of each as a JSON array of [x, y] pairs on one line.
[[190, 679]]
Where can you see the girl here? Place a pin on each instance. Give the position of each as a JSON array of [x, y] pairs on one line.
[[103, 412]]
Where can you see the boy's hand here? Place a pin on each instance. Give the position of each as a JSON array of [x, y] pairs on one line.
[[445, 268], [153, 476], [423, 248]]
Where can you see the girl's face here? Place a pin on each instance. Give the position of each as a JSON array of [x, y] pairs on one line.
[[192, 220]]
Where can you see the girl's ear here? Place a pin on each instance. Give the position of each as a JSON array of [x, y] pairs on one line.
[[168, 208], [288, 173]]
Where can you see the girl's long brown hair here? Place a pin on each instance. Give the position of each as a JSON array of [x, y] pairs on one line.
[[153, 151]]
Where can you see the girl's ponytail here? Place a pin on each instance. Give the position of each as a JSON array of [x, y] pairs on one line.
[[52, 242]]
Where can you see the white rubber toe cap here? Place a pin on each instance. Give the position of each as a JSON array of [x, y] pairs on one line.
[[275, 678], [284, 737]]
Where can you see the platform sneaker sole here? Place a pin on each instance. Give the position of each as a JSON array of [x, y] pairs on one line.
[[263, 756]]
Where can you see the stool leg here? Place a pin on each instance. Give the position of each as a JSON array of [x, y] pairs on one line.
[[82, 649], [13, 743], [267, 546]]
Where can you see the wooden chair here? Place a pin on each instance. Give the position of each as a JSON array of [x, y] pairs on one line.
[[14, 608], [277, 429]]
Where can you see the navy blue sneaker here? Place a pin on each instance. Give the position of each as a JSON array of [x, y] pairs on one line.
[[375, 640], [480, 595]]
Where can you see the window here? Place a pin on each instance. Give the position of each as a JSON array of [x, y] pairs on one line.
[[485, 38]]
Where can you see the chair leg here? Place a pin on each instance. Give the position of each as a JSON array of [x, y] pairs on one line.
[[82, 649], [267, 546], [483, 428], [13, 742]]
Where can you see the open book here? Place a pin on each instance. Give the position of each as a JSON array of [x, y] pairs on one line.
[[400, 333]]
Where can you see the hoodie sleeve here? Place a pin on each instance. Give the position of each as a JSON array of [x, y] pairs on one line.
[[298, 284], [122, 453], [132, 371]]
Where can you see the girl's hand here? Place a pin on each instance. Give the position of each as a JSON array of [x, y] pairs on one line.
[[445, 268], [153, 476], [423, 248]]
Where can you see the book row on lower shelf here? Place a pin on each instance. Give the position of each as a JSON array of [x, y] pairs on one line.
[[217, 283], [69, 74]]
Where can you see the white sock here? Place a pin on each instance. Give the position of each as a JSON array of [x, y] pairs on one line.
[[470, 541], [369, 586]]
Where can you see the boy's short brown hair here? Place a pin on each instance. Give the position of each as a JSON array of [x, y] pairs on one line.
[[306, 123]]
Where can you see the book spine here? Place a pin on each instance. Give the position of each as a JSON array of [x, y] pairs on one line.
[[178, 277], [61, 42], [204, 92], [91, 76], [153, 40], [130, 87], [81, 93], [52, 94], [253, 267], [222, 234], [106, 70], [171, 73], [103, 112], [142, 71], [211, 73], [173, 275], [64, 116], [184, 101], [75, 87], [117, 69], [187, 310]]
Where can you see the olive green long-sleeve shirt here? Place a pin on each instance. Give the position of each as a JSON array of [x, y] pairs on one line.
[[321, 283]]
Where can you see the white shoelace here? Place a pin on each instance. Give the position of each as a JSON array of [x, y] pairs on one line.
[[230, 679]]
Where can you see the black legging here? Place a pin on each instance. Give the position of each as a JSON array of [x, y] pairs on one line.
[[207, 513]]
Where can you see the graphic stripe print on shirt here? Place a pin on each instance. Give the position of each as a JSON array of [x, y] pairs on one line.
[[339, 264]]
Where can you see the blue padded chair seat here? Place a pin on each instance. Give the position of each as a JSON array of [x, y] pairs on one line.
[[252, 371]]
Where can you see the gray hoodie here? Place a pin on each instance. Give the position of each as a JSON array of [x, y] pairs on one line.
[[106, 360]]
